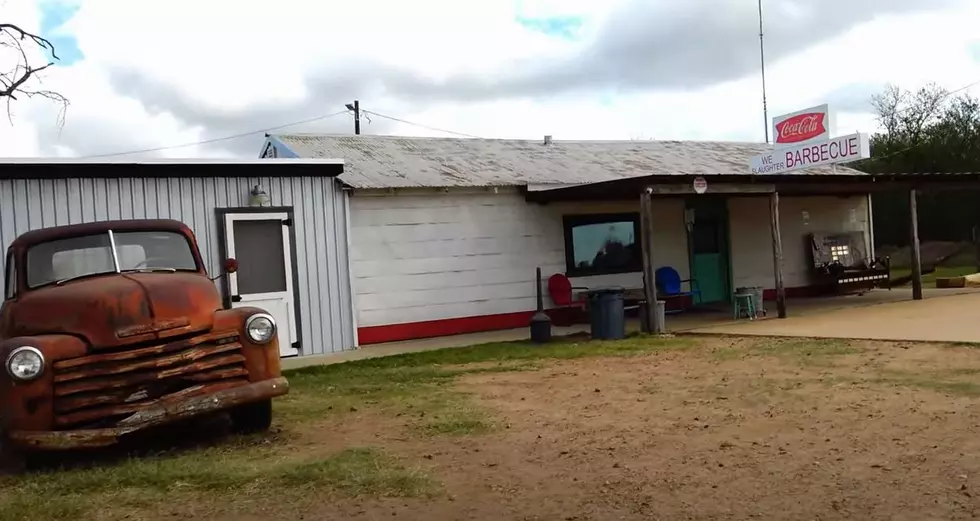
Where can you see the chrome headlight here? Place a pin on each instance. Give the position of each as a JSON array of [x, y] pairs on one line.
[[260, 328], [25, 363]]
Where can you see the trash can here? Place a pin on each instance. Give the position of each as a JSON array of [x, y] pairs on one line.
[[607, 318], [661, 313], [760, 308]]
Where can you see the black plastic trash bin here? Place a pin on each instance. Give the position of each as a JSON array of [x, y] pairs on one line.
[[606, 314]]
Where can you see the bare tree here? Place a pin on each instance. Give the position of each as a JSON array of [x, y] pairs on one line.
[[22, 79], [904, 114]]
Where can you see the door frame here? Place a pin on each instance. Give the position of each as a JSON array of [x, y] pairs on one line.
[[721, 204], [220, 214]]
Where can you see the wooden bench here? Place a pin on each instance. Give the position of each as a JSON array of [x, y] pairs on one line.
[[839, 262]]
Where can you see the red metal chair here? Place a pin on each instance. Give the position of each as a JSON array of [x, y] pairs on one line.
[[562, 293]]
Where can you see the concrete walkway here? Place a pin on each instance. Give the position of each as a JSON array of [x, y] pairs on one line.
[[945, 315]]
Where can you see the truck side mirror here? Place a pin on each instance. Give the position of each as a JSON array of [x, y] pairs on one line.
[[229, 266]]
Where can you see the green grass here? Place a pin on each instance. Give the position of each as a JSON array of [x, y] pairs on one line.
[[949, 381], [929, 279], [420, 384], [359, 471], [802, 351], [70, 494]]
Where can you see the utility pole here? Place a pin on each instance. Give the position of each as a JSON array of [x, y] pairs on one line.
[[356, 109], [762, 57]]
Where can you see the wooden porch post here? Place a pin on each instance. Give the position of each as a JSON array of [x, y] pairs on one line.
[[914, 246], [649, 277], [777, 253]]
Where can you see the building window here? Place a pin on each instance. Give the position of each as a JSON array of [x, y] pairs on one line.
[[602, 244]]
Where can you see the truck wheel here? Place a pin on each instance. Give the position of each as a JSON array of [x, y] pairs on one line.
[[252, 417]]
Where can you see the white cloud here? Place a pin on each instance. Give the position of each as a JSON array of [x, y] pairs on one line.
[[231, 58]]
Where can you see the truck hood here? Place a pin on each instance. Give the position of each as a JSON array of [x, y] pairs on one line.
[[118, 309]]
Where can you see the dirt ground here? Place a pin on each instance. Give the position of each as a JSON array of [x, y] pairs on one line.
[[728, 429], [732, 430]]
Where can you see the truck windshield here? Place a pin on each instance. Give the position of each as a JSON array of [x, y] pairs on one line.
[[74, 257]]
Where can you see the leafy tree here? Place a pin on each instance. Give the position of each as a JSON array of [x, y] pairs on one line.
[[925, 131]]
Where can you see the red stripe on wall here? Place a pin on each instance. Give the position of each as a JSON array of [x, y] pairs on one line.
[[449, 326], [459, 326]]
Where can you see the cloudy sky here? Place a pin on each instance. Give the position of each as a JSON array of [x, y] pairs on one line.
[[149, 74]]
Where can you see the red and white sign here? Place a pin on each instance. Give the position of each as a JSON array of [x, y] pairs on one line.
[[842, 149], [700, 185], [804, 126]]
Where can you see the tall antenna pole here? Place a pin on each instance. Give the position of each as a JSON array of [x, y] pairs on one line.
[[762, 57]]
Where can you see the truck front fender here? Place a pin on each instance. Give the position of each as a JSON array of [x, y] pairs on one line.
[[30, 405]]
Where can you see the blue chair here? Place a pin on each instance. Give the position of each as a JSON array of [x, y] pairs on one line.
[[669, 284]]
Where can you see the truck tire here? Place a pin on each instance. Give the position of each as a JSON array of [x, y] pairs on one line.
[[252, 417]]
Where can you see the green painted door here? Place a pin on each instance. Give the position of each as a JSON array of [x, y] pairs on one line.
[[709, 252]]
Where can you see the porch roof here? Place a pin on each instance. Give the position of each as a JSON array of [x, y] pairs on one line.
[[734, 185]]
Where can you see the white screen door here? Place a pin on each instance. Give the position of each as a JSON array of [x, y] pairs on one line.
[[260, 243]]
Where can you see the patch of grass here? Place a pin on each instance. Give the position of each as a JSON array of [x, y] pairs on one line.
[[359, 471], [803, 351], [756, 391], [730, 353], [945, 382], [421, 382], [70, 494]]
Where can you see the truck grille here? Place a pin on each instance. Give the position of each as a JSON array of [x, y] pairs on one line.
[[101, 389]]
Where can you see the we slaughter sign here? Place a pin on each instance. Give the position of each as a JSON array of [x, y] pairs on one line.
[[842, 149]]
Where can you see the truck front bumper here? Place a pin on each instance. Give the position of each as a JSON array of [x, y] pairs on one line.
[[151, 417]]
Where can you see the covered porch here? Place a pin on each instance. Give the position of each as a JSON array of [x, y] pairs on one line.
[[754, 193]]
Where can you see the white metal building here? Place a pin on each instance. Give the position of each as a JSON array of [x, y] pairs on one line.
[[297, 237], [445, 234]]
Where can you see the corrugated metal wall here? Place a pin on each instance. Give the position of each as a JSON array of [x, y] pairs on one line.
[[319, 210]]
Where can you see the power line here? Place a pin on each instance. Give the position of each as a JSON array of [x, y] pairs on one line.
[[218, 139], [419, 124]]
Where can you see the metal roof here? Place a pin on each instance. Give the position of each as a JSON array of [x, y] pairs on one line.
[[405, 162], [52, 168], [70, 161]]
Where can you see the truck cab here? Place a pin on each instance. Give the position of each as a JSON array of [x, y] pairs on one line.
[[113, 327]]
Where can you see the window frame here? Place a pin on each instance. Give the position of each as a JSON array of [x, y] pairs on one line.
[[571, 221], [10, 278]]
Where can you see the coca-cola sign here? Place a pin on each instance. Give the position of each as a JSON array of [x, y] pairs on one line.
[[800, 128], [803, 126]]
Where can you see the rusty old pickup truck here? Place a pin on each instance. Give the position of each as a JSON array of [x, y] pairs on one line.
[[110, 328]]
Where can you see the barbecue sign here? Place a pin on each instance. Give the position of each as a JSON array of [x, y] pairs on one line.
[[841, 149]]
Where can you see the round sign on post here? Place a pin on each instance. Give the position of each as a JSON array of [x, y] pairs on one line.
[[700, 185]]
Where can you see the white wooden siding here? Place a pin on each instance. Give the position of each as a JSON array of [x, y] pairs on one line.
[[445, 255], [752, 240], [320, 219]]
